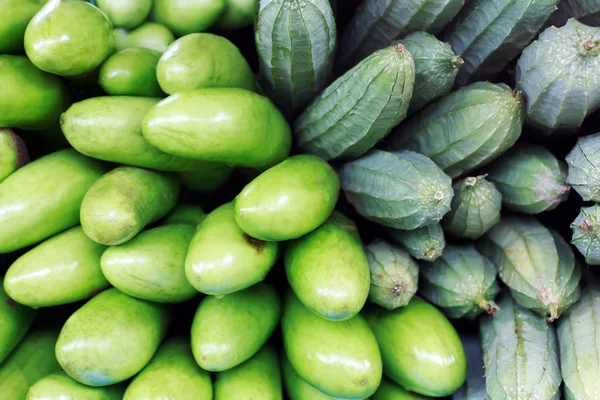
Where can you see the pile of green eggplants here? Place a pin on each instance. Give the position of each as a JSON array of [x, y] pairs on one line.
[[299, 199]]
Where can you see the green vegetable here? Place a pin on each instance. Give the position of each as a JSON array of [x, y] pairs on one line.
[[520, 354], [131, 72], [14, 17], [402, 190], [586, 232], [420, 348], [13, 153], [474, 387], [110, 338], [186, 214], [59, 385], [149, 35], [289, 200], [327, 269], [202, 60], [206, 177], [557, 76], [121, 203], [297, 388], [184, 16], [490, 34], [69, 38], [360, 108], [536, 264], [43, 198], [426, 243], [257, 378], [228, 125], [218, 343], [586, 11], [238, 14], [475, 208], [15, 320], [394, 275], [584, 162], [341, 359], [125, 13], [172, 372], [531, 179], [466, 129], [296, 43], [222, 259], [462, 282], [388, 390]]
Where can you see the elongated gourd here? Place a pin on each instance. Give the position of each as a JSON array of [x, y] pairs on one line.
[[584, 162], [586, 232], [426, 243]]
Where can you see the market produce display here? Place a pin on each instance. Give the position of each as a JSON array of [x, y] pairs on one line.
[[299, 199]]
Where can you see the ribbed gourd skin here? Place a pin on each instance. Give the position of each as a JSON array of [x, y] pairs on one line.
[[531, 179], [426, 243], [378, 22], [558, 76], [586, 234], [520, 353], [402, 190], [536, 264], [584, 163], [586, 11], [360, 108], [488, 34], [474, 387], [462, 282], [465, 129], [296, 43]]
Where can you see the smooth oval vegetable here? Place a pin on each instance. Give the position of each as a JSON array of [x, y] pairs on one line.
[[586, 234], [187, 16], [218, 343], [13, 153], [125, 13], [94, 340], [69, 38], [15, 320], [238, 14], [228, 125], [202, 60], [296, 387], [121, 203], [328, 271], [388, 390], [207, 177], [63, 269], [257, 378], [149, 35], [185, 213], [44, 197], [131, 72], [426, 243], [31, 99], [172, 372], [14, 18], [584, 161], [420, 348], [60, 386], [341, 359], [151, 265], [288, 200], [222, 259]]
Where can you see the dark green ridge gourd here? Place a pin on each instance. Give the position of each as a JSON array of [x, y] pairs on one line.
[[341, 359], [257, 378], [557, 74], [171, 371], [376, 23], [43, 198], [360, 108], [426, 243], [327, 269], [394, 275], [151, 265], [475, 208], [207, 177], [229, 125], [131, 72], [389, 390], [296, 42], [109, 128], [238, 14], [14, 18], [579, 340], [149, 35], [520, 353], [288, 200], [218, 343], [186, 214], [402, 190], [436, 67], [536, 264], [30, 361], [586, 11], [474, 387], [15, 320], [31, 98], [465, 129], [125, 13], [61, 386], [94, 339], [489, 34], [584, 162], [297, 388], [13, 153], [462, 282], [122, 202], [222, 259], [531, 179], [63, 269], [420, 348], [586, 234]]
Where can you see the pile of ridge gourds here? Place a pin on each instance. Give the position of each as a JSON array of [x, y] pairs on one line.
[[316, 200]]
